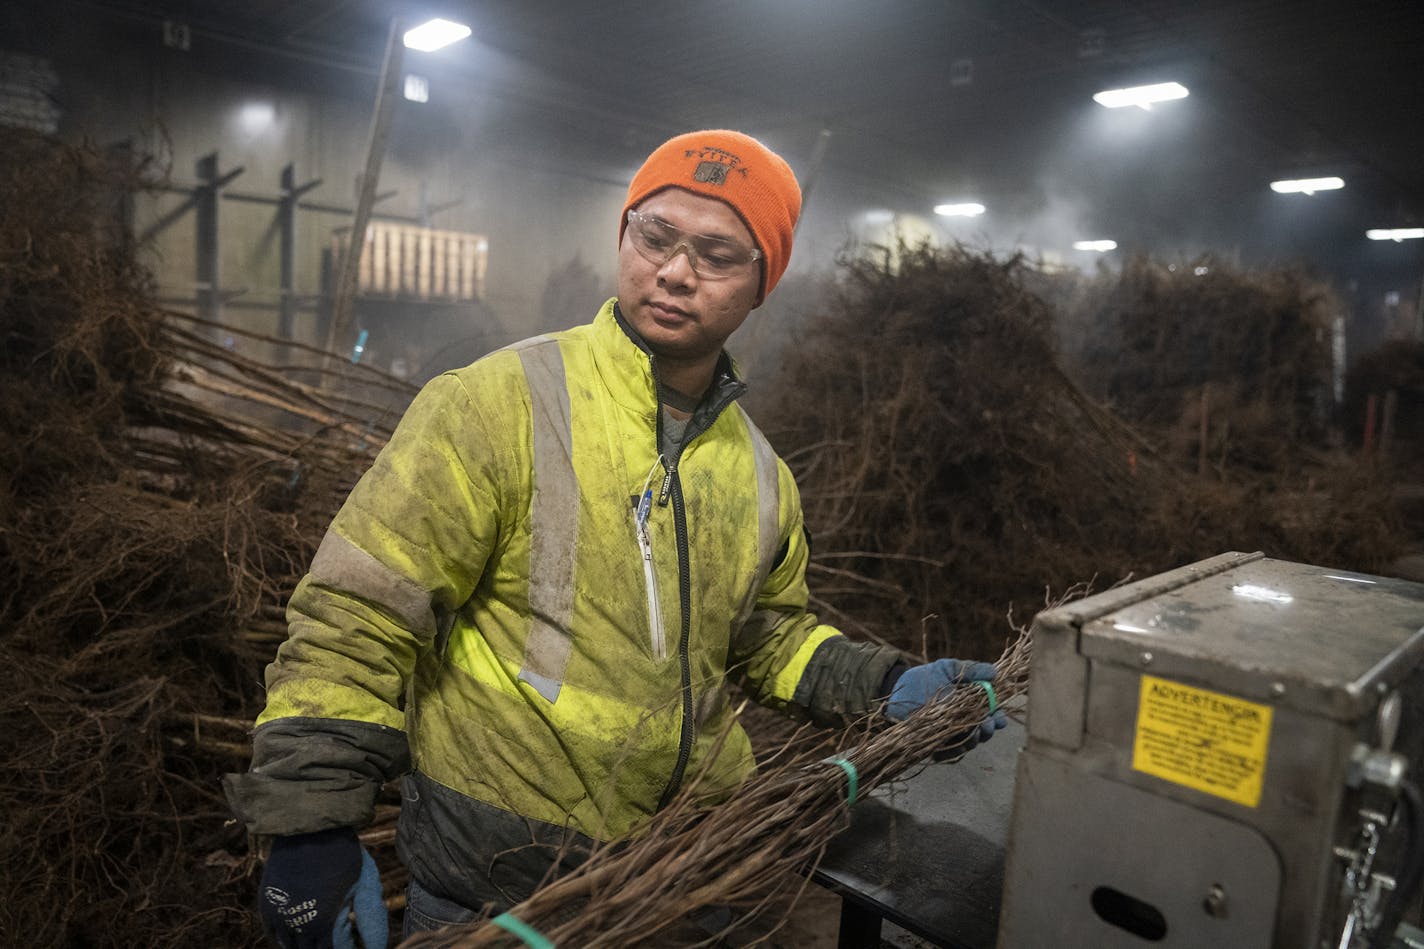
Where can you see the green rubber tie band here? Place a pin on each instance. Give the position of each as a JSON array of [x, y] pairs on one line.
[[993, 699], [854, 782], [523, 930]]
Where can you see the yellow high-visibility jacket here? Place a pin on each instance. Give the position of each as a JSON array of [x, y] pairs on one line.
[[527, 604]]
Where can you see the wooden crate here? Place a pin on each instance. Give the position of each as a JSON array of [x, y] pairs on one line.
[[407, 262]]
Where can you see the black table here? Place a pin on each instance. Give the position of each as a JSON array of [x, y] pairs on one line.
[[927, 852]]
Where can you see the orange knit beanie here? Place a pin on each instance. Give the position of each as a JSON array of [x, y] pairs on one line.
[[736, 169]]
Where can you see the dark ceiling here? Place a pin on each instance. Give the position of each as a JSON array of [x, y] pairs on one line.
[[930, 100]]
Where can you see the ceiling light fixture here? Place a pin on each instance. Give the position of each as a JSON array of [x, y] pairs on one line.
[[1099, 246], [967, 209], [1307, 185], [1141, 96], [1395, 234], [434, 34]]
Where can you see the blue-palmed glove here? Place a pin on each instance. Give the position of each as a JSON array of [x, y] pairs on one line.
[[919, 685], [311, 887]]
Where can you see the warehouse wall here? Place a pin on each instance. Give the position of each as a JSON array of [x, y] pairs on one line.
[[467, 160]]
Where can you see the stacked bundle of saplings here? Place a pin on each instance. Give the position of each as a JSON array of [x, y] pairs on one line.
[[149, 537], [1232, 366], [1230, 370], [951, 468]]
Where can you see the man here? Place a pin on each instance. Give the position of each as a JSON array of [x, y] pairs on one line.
[[531, 603]]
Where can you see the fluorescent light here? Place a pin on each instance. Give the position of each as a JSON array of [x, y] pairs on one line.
[[967, 209], [433, 34], [1099, 246], [417, 88], [1395, 234], [1307, 185], [1141, 96], [1201, 271]]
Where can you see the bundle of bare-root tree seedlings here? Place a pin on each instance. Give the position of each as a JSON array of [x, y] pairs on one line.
[[162, 491], [1232, 366], [950, 467], [753, 853]]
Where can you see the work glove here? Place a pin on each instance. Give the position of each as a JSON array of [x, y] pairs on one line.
[[919, 685], [311, 887]]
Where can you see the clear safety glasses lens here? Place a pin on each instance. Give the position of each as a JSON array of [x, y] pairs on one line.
[[712, 258]]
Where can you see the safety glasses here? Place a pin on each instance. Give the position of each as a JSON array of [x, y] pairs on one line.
[[713, 258]]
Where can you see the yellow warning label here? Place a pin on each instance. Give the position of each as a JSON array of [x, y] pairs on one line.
[[1200, 739]]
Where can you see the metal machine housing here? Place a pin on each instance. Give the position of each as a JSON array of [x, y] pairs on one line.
[[1187, 778]]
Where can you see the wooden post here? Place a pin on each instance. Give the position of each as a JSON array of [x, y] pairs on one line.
[[386, 96]]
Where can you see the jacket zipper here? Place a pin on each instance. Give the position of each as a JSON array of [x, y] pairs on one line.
[[684, 589], [656, 632], [671, 489]]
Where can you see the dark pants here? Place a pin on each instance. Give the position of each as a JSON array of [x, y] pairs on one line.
[[425, 912], [476, 854]]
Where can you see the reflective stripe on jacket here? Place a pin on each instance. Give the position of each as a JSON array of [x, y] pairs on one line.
[[486, 592]]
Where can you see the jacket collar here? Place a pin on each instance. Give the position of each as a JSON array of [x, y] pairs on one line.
[[629, 369]]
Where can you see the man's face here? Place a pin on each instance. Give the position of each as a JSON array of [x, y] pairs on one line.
[[683, 316]]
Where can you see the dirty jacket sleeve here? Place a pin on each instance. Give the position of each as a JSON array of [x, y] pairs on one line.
[[403, 552], [790, 661]]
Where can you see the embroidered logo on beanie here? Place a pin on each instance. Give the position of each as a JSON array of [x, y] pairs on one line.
[[715, 166]]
